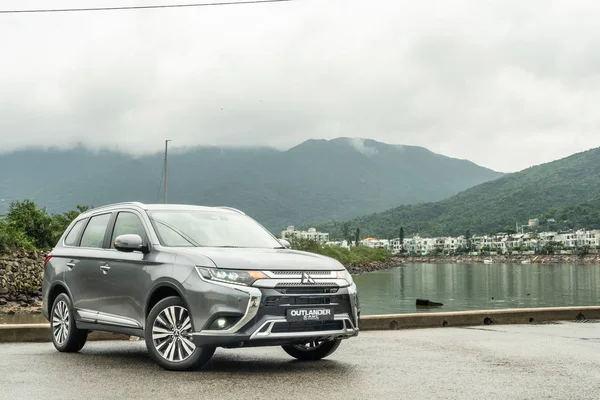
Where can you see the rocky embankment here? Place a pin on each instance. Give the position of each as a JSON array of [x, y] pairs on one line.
[[506, 259], [21, 275], [357, 269]]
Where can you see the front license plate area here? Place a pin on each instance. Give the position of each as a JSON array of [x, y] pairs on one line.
[[309, 314]]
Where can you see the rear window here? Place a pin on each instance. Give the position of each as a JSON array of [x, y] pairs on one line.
[[71, 239]]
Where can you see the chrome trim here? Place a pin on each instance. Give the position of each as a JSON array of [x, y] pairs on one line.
[[349, 330], [353, 294], [87, 315], [298, 274], [272, 283], [251, 309], [107, 319]]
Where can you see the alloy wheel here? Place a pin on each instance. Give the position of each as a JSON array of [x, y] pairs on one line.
[[171, 333], [60, 322]]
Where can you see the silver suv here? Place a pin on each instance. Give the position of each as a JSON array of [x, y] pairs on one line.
[[189, 279]]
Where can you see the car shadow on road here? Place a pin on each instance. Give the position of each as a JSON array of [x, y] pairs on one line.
[[223, 361]]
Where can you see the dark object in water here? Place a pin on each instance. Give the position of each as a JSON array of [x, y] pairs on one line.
[[428, 303]]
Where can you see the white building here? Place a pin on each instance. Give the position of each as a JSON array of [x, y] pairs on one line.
[[375, 243], [340, 243], [311, 234]]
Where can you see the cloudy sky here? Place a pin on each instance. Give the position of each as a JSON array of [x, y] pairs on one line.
[[506, 84]]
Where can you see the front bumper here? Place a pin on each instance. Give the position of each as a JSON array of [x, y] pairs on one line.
[[264, 320]]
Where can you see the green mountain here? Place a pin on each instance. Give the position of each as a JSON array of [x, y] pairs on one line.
[[567, 190], [318, 180]]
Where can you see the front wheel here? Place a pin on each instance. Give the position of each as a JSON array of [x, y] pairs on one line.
[[312, 350], [168, 337]]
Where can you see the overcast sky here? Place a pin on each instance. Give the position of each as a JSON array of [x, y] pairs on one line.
[[506, 84]]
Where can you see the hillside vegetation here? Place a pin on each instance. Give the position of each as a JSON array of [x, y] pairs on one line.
[[318, 180], [567, 190]]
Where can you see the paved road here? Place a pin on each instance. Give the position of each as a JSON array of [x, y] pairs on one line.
[[558, 361]]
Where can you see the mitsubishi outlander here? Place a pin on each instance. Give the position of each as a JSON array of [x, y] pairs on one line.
[[189, 279]]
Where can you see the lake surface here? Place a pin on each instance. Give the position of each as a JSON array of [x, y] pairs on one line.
[[478, 286], [463, 287]]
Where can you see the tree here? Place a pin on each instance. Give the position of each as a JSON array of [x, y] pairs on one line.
[[346, 232], [401, 237], [35, 223], [357, 236], [468, 238]]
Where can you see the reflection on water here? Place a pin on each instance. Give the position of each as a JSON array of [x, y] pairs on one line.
[[22, 319], [478, 286]]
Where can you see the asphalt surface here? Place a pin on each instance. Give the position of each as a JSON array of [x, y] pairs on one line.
[[553, 361]]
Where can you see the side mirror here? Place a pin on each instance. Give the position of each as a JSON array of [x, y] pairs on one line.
[[129, 243], [285, 243]]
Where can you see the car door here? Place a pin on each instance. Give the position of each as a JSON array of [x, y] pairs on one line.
[[127, 278], [85, 278]]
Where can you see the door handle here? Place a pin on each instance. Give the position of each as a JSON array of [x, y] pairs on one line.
[[71, 264], [105, 268]]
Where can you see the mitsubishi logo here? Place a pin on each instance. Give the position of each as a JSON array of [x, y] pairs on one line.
[[306, 279]]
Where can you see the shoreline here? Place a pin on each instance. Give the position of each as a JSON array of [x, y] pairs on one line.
[[591, 259]]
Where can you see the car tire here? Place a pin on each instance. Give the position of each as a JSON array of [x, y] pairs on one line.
[[312, 350], [167, 337], [66, 337]]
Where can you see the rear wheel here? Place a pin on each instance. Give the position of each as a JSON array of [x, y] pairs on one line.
[[312, 350], [168, 337], [65, 335]]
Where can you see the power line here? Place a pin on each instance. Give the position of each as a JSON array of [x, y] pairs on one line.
[[146, 7]]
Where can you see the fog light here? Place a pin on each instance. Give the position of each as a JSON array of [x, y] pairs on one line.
[[221, 322]]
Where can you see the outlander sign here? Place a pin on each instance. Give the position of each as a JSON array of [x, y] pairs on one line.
[[306, 279], [310, 314]]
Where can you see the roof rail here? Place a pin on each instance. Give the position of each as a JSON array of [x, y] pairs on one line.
[[232, 209], [125, 203]]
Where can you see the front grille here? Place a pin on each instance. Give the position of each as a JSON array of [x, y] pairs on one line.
[[308, 326], [295, 301], [306, 290], [302, 284]]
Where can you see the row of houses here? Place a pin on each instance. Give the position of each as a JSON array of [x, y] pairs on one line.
[[311, 234], [500, 243]]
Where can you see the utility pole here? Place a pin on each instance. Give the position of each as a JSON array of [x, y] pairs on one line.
[[165, 168]]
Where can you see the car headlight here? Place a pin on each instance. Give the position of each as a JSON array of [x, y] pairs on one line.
[[233, 276], [346, 276]]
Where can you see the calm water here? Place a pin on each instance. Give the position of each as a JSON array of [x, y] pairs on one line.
[[463, 287], [478, 286]]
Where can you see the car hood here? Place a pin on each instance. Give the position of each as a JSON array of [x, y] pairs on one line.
[[266, 259]]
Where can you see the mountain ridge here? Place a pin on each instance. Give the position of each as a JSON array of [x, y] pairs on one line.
[[315, 180], [494, 205]]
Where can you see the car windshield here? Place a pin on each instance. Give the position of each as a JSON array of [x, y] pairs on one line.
[[193, 228]]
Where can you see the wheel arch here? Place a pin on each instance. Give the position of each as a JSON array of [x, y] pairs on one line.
[[161, 291], [56, 289]]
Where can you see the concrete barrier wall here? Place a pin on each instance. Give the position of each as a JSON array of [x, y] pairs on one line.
[[477, 317], [41, 332]]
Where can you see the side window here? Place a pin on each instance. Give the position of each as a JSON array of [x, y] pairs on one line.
[[128, 223], [71, 239], [93, 236]]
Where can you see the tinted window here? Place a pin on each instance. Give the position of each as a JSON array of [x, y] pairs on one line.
[[128, 223], [93, 236], [71, 239]]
